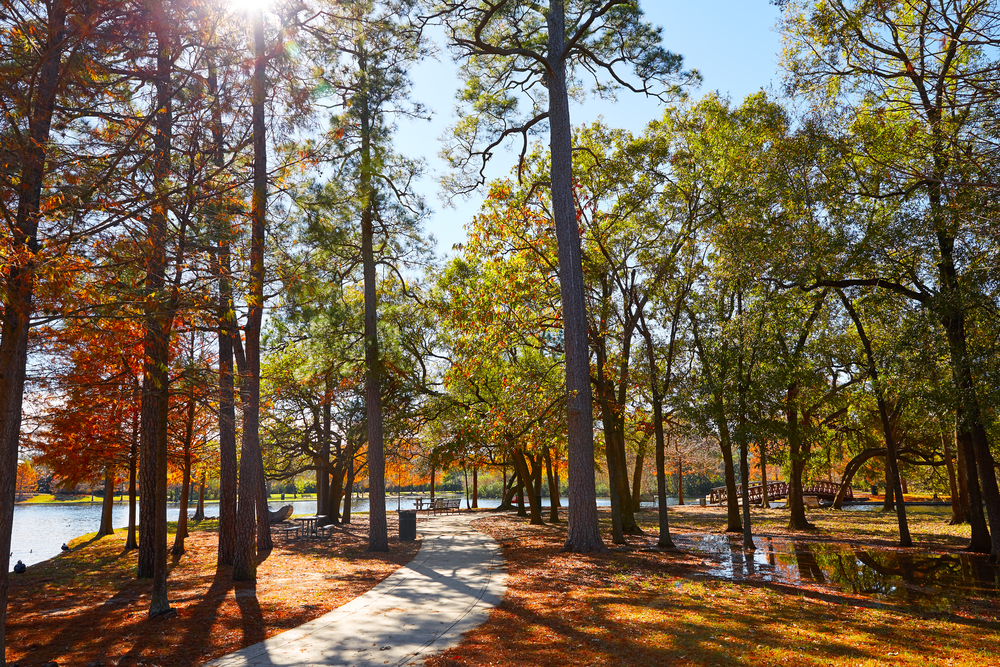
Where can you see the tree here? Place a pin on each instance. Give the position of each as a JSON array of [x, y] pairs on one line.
[[28, 120], [519, 49], [370, 88], [924, 143]]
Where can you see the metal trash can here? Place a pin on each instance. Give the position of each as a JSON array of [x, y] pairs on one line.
[[407, 525]]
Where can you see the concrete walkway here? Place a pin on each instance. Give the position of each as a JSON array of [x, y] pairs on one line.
[[420, 610]]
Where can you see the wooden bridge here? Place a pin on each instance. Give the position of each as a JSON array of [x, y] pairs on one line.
[[775, 490]]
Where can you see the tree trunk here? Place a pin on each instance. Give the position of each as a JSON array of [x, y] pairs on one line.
[[980, 541], [680, 480], [765, 503], [952, 316], [520, 494], [432, 482], [887, 428], [956, 478], [889, 501], [199, 513], [108, 504], [510, 488], [156, 345], [130, 540], [182, 532], [251, 482], [348, 489], [378, 536], [533, 501], [851, 470], [475, 488], [797, 459], [227, 330], [665, 541], [637, 475], [583, 534], [332, 510], [733, 522], [553, 488], [18, 277]]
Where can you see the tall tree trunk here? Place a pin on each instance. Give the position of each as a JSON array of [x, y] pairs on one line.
[[108, 504], [18, 275], [156, 345], [378, 536], [227, 330], [952, 316], [664, 541], [251, 482], [432, 482], [133, 461], [583, 534], [475, 487]]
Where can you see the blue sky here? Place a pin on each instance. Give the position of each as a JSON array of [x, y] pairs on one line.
[[731, 42]]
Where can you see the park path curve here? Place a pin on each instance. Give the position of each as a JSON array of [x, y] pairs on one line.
[[420, 610]]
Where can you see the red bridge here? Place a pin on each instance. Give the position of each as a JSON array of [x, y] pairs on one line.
[[775, 490]]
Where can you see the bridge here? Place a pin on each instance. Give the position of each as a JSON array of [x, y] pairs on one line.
[[775, 490]]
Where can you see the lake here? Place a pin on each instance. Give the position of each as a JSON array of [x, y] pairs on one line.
[[39, 531]]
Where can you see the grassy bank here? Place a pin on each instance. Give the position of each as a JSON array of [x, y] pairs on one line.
[[86, 607], [637, 605]]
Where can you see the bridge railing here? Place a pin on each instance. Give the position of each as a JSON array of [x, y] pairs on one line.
[[778, 490]]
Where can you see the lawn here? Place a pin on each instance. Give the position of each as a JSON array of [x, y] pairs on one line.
[[637, 605]]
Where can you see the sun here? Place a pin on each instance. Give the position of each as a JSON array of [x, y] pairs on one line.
[[252, 7]]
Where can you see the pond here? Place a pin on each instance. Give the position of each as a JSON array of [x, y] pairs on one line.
[[886, 574]]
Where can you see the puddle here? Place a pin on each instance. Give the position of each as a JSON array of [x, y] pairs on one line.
[[877, 573]]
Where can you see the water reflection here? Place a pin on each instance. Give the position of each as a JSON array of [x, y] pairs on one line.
[[876, 573]]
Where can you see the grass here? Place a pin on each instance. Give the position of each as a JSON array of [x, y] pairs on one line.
[[639, 606], [85, 607]]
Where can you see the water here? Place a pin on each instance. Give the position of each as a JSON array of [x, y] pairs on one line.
[[886, 574], [39, 531]]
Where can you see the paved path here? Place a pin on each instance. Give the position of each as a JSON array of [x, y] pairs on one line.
[[418, 611]]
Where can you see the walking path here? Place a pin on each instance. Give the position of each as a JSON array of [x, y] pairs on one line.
[[420, 610]]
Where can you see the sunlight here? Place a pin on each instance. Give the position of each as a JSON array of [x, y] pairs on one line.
[[250, 7]]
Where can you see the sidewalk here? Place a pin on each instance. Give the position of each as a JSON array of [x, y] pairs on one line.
[[420, 610]]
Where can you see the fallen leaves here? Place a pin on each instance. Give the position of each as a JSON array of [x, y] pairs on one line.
[[85, 606]]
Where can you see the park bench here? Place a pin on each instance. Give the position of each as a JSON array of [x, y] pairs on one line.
[[446, 505]]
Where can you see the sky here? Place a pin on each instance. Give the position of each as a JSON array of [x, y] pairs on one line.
[[732, 43]]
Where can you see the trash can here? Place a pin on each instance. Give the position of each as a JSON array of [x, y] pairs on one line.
[[407, 525], [874, 490]]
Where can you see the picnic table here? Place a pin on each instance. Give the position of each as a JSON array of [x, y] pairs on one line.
[[308, 525]]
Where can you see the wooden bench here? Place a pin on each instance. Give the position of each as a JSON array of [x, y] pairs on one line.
[[446, 505]]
